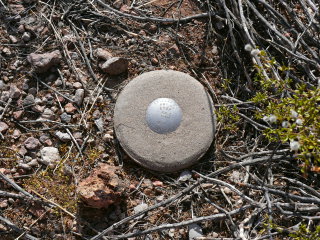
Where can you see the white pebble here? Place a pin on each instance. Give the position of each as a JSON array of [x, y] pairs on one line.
[[248, 47], [299, 121], [272, 118], [293, 113], [285, 124], [255, 52], [294, 145]]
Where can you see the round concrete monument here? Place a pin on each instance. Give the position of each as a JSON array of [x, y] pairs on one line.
[[164, 120]]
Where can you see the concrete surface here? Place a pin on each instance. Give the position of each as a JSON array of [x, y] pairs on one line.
[[175, 150]]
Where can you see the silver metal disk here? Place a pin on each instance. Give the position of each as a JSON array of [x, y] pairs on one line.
[[163, 115]]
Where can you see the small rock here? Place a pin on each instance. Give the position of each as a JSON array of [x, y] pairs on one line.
[[69, 85], [58, 83], [69, 108], [174, 50], [160, 198], [5, 96], [103, 54], [152, 28], [31, 143], [14, 92], [43, 138], [2, 85], [184, 176], [100, 124], [227, 190], [4, 204], [24, 166], [125, 8], [28, 101], [64, 137], [115, 65], [3, 228], [103, 187], [38, 108], [157, 183], [3, 127], [43, 62], [23, 151], [78, 97], [140, 208], [26, 36], [154, 61], [195, 231], [77, 135], [6, 79], [33, 91], [214, 235], [17, 115], [215, 50], [48, 142], [33, 163], [171, 232], [107, 137], [13, 39], [16, 134], [21, 28], [48, 114], [6, 51], [77, 85], [49, 155], [65, 117]]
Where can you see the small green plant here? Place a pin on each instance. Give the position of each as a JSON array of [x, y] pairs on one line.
[[304, 233], [294, 119], [228, 117]]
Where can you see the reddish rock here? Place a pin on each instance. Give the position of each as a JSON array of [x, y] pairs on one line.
[[158, 183], [115, 66], [32, 143], [13, 39], [43, 62], [69, 108], [154, 61], [174, 50], [5, 171], [103, 187], [4, 204], [17, 115], [125, 8]]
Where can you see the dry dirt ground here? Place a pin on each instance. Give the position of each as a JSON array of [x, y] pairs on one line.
[[39, 200]]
